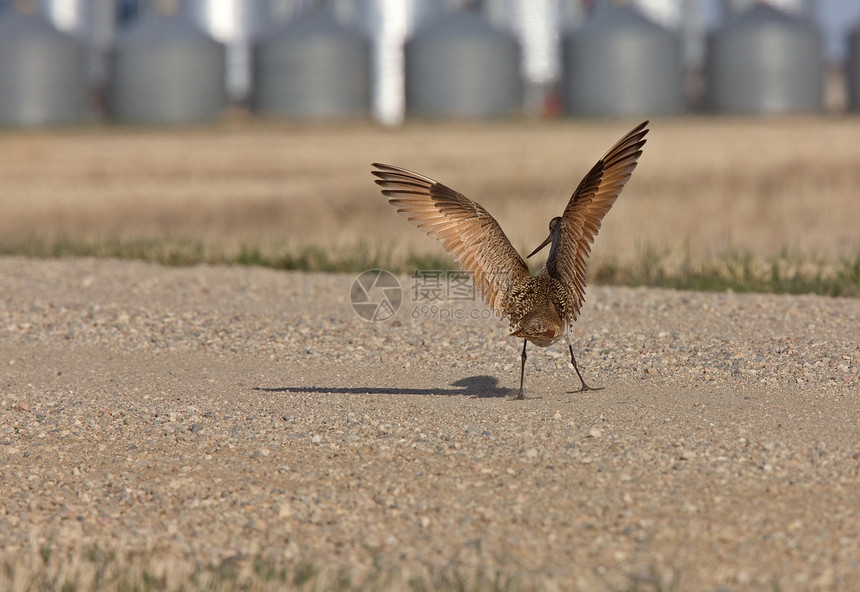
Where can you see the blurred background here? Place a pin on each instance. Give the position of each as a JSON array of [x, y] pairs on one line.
[[242, 130], [186, 61]]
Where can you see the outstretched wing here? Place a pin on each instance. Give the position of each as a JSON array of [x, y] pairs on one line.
[[580, 222], [467, 231]]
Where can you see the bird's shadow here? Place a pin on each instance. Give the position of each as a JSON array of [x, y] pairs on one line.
[[471, 386]]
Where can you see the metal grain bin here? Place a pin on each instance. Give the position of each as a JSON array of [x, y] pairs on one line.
[[764, 61], [619, 63], [463, 67], [166, 71], [313, 68], [42, 73], [93, 23], [852, 69]]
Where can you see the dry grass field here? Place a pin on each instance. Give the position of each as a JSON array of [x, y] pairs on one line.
[[706, 189]]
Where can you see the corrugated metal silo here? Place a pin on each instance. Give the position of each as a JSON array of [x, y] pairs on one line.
[[461, 66], [165, 70], [764, 61], [314, 67], [93, 23], [42, 73], [852, 66], [619, 63]]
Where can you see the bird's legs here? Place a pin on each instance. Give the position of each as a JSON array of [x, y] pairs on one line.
[[522, 369], [584, 386]]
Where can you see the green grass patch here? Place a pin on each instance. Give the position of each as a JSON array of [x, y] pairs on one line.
[[277, 255], [163, 251], [741, 271], [109, 571]]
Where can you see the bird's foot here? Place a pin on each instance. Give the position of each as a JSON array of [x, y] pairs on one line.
[[585, 388], [518, 397]]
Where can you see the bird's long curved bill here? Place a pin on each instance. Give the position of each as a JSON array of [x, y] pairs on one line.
[[542, 245]]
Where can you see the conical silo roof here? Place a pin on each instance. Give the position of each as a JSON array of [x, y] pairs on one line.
[[461, 66], [619, 63]]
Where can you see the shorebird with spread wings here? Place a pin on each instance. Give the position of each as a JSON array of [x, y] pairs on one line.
[[540, 308]]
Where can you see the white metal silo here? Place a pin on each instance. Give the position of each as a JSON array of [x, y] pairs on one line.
[[852, 69], [765, 61], [166, 71], [619, 63], [313, 67], [42, 73], [462, 66], [93, 23]]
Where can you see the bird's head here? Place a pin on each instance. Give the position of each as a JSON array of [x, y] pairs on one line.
[[553, 230]]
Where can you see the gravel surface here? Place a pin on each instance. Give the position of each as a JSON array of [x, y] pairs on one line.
[[205, 414]]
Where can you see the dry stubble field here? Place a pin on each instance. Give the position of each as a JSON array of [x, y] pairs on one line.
[[704, 186], [212, 426]]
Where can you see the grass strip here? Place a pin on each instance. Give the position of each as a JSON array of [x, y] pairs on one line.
[[740, 271], [106, 570]]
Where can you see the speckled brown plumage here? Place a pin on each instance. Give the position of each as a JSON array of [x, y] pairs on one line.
[[539, 308]]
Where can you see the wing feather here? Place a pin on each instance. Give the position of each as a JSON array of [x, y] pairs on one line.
[[467, 231], [581, 220]]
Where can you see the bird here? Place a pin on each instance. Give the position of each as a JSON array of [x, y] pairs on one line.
[[541, 308]]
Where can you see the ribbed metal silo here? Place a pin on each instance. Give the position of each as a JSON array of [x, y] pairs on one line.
[[312, 68], [764, 61], [166, 71], [42, 73], [461, 66], [852, 69], [619, 63], [93, 23]]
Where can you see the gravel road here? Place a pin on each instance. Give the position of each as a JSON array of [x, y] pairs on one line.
[[202, 415]]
